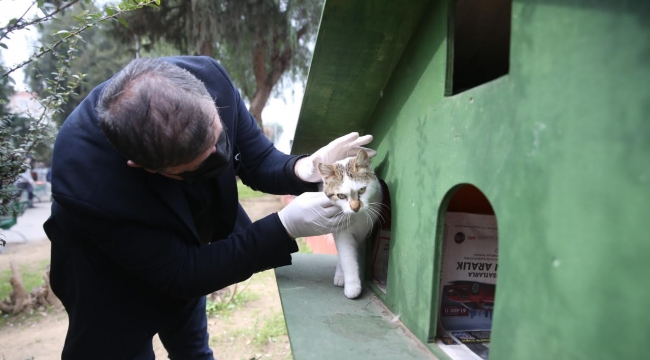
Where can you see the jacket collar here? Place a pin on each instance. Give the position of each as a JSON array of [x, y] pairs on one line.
[[173, 197]]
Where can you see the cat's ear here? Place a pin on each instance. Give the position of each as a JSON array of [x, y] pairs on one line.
[[325, 170], [362, 159]]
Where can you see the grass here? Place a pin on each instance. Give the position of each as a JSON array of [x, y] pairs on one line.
[[247, 193], [253, 331], [264, 331], [271, 329], [215, 308]]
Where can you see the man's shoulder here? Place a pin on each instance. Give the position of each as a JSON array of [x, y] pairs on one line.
[[205, 68], [194, 64]]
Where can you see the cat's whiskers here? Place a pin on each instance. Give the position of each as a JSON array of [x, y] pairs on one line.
[[348, 218], [374, 218], [344, 220], [379, 217], [376, 210], [368, 212], [377, 214], [369, 218], [379, 205], [339, 220], [321, 216]]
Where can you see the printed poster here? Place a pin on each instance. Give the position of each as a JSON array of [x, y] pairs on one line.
[[467, 284]]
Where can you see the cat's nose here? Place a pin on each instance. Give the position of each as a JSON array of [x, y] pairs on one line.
[[355, 205]]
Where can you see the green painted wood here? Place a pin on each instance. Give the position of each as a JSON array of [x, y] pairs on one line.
[[359, 42], [561, 148], [324, 324]]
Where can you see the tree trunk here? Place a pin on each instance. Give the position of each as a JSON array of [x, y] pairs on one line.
[[268, 67], [50, 298], [206, 48], [20, 300], [265, 80], [261, 96]]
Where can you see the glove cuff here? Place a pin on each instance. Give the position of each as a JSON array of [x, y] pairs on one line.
[[284, 224], [307, 170]]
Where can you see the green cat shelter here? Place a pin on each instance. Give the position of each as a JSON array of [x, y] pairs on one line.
[[533, 114]]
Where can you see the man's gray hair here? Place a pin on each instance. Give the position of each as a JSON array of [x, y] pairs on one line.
[[157, 114]]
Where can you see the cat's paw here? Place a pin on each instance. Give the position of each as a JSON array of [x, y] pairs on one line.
[[338, 280], [352, 291]]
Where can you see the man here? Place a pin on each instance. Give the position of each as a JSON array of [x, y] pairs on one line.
[[145, 220], [25, 182]]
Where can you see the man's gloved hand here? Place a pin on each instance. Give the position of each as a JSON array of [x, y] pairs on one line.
[[339, 149], [311, 214]]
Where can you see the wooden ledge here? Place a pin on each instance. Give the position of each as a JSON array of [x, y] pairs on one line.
[[324, 324]]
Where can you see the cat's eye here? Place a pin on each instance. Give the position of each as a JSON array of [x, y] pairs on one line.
[[362, 190], [341, 196]]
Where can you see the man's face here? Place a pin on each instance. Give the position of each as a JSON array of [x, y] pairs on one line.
[[173, 171]]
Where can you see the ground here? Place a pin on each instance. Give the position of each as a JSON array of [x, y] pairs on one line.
[[253, 329]]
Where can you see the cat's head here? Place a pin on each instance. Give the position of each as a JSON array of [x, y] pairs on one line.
[[350, 183]]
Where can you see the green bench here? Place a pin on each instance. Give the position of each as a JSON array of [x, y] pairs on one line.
[[17, 208], [323, 324]]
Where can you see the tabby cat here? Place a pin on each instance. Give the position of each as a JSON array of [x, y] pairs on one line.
[[352, 185]]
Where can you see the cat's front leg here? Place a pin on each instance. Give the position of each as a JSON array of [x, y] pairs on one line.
[[347, 248]]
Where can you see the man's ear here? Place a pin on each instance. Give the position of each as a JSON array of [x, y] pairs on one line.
[[134, 165]]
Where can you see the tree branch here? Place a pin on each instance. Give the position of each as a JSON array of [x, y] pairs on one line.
[[9, 29], [70, 35], [259, 63], [17, 21]]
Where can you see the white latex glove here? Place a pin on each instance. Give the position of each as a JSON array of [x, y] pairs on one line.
[[311, 214], [339, 149]]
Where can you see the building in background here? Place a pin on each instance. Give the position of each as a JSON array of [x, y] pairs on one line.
[[24, 103]]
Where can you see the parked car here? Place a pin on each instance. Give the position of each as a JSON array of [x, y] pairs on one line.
[[470, 294]]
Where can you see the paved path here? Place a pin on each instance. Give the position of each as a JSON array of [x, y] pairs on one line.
[[29, 225]]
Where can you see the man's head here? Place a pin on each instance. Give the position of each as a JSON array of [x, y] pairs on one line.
[[160, 117]]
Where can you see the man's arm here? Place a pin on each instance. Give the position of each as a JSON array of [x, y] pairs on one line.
[[261, 166], [158, 256]]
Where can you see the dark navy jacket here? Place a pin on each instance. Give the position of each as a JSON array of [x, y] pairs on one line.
[[125, 251]]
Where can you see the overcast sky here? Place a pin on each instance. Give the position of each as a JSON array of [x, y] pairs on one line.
[[24, 43]]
